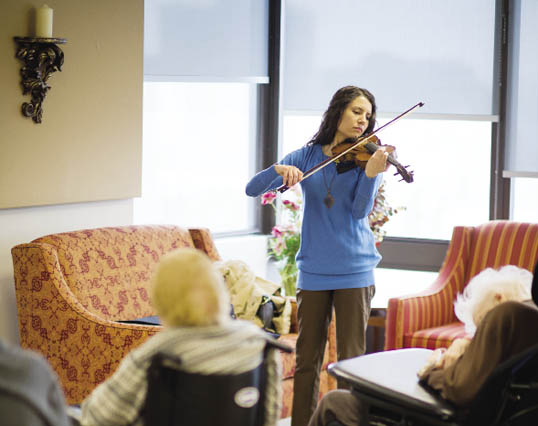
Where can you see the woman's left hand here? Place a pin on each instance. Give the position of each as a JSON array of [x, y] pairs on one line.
[[378, 161]]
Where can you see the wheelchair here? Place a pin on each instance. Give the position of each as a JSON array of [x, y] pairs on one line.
[[177, 397]]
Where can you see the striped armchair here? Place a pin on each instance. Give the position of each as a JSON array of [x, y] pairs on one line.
[[427, 319]]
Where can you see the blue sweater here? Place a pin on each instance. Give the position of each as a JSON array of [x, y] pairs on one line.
[[335, 242]]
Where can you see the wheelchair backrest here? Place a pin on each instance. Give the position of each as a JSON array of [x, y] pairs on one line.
[[176, 397], [510, 395]]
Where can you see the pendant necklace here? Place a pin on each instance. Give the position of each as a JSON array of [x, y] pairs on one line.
[[329, 199]]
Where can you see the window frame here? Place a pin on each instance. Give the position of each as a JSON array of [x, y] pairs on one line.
[[398, 253], [270, 109], [266, 92]]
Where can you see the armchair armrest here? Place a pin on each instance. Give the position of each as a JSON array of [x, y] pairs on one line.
[[432, 307]]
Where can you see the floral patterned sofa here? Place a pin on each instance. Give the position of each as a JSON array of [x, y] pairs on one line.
[[72, 289]]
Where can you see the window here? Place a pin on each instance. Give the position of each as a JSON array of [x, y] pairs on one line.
[[204, 63], [397, 282], [416, 54], [198, 154], [451, 163], [524, 201]]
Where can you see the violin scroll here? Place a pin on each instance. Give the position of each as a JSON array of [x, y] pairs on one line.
[[402, 170]]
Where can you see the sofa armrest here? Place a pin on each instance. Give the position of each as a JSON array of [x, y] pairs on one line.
[[201, 237], [432, 307]]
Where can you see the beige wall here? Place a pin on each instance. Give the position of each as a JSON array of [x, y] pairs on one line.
[[89, 145], [90, 142]]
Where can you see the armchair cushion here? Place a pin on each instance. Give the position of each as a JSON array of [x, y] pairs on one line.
[[433, 337]]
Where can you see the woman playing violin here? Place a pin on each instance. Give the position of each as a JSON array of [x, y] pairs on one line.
[[337, 256]]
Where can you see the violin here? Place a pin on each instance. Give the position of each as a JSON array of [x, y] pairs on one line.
[[359, 156], [358, 144]]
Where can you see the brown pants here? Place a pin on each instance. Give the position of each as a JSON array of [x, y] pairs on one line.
[[340, 405], [314, 311]]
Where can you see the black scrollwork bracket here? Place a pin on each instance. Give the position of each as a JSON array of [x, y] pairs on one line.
[[41, 57]]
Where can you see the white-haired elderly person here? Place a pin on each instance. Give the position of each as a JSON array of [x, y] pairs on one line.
[[191, 299], [484, 291], [498, 313]]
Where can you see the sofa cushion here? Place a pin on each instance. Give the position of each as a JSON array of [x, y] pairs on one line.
[[109, 269], [436, 337]]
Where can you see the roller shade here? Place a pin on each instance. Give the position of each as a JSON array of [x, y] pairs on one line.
[[440, 52], [206, 40], [521, 143]]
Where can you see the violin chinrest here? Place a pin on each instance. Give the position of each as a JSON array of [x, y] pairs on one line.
[[345, 166]]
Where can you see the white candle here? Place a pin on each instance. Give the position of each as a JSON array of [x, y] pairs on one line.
[[43, 21]]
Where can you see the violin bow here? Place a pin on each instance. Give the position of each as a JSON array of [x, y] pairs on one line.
[[363, 140]]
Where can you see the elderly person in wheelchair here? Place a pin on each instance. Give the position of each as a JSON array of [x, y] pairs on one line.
[[205, 343], [471, 382]]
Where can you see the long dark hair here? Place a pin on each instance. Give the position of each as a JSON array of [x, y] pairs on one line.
[[337, 106]]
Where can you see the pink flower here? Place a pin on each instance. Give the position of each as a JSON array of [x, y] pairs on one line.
[[276, 232], [268, 198], [287, 229], [291, 205]]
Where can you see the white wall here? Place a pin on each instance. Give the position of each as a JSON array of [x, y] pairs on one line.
[[25, 224], [251, 249]]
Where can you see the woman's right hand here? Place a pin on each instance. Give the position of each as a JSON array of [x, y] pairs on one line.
[[290, 174]]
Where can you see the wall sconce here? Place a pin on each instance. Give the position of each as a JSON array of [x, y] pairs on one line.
[[42, 57]]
